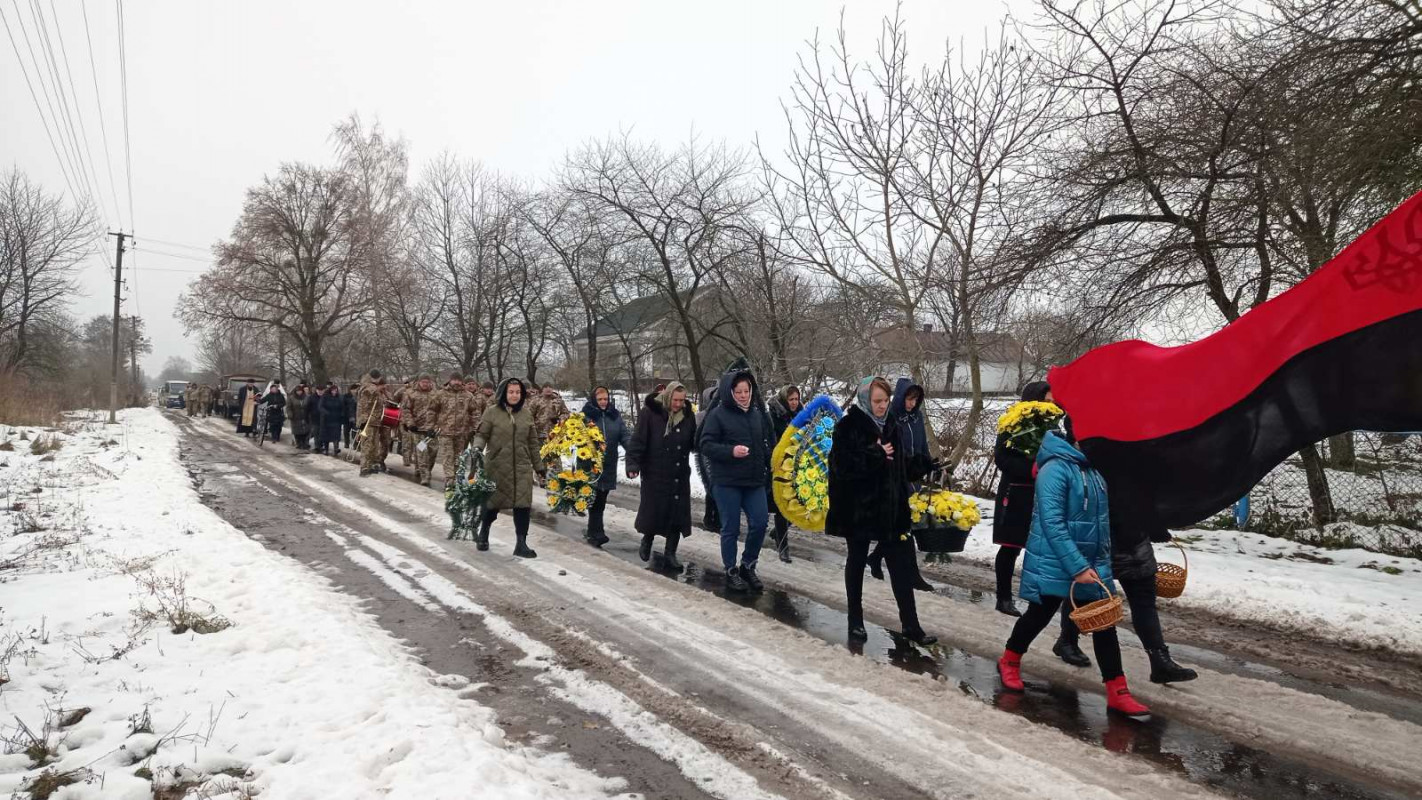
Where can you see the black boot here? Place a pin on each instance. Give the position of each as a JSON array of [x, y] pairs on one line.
[[521, 548], [920, 638], [921, 585], [735, 582], [1007, 606], [876, 565], [752, 580], [1068, 651], [644, 552], [669, 553], [1163, 668], [481, 541], [857, 633]]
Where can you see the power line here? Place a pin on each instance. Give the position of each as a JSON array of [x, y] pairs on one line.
[[47, 47], [78, 108], [182, 256], [178, 244], [38, 108], [103, 126], [66, 164], [123, 72]]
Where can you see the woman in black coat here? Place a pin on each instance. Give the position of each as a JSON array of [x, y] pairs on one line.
[[1133, 563], [660, 451], [602, 412], [330, 417], [1012, 516], [868, 502]]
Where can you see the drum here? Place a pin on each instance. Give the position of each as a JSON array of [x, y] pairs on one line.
[[390, 418]]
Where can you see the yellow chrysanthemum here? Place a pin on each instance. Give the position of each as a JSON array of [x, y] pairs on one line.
[[586, 491], [553, 484], [581, 505]]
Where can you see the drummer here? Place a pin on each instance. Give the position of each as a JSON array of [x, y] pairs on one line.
[[373, 412]]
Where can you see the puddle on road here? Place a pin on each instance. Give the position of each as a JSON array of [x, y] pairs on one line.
[[1203, 757]]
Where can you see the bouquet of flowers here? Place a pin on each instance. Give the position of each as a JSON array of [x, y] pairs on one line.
[[941, 520], [573, 455], [466, 495], [1027, 423], [800, 464]]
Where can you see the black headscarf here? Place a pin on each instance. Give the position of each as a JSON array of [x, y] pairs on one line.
[[1036, 392]]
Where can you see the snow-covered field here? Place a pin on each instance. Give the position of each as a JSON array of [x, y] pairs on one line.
[[111, 565]]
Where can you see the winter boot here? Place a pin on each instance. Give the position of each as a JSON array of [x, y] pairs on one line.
[[752, 580], [857, 632], [1119, 700], [521, 549], [1163, 668], [644, 551], [481, 541], [1009, 669], [921, 585], [1067, 650], [1007, 606], [367, 472], [782, 547], [735, 582], [876, 566], [669, 553], [918, 637]]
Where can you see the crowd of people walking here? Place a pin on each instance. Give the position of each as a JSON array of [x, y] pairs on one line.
[[1054, 506]]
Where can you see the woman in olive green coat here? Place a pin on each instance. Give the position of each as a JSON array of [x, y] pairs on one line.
[[510, 444]]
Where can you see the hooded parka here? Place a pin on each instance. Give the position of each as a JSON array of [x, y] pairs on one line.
[[510, 446]]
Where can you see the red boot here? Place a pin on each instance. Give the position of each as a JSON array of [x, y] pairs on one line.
[[1119, 699], [1009, 669]]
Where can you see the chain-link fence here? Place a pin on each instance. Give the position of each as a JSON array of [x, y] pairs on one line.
[[1376, 495]]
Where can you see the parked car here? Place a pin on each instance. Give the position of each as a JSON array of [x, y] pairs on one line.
[[230, 385]]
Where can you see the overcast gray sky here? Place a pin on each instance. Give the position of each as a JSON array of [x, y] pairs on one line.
[[219, 94]]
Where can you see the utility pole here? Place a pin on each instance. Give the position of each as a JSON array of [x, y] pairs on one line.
[[118, 296]]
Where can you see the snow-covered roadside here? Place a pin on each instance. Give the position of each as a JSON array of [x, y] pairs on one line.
[[303, 696], [1351, 596]]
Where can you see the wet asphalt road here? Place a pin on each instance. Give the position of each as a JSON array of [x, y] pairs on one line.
[[281, 516]]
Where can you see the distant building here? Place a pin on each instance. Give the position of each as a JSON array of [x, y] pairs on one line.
[[1002, 360]]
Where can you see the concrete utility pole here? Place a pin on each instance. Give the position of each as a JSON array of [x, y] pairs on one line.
[[118, 296]]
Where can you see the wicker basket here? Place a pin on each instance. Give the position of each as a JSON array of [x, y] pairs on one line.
[[1097, 615], [1170, 579], [941, 539]]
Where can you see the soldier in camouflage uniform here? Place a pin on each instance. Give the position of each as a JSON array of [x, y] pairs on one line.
[[204, 400], [548, 413], [188, 400], [403, 432], [419, 415], [454, 413], [375, 443]]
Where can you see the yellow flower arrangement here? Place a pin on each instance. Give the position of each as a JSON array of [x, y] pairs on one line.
[[574, 453], [1026, 424], [943, 507]]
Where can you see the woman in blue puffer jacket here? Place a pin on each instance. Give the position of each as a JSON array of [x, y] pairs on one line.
[[1068, 551]]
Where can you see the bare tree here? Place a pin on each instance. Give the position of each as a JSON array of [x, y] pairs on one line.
[[292, 264], [678, 206], [42, 241]]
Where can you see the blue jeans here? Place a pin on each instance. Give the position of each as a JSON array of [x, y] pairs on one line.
[[730, 502]]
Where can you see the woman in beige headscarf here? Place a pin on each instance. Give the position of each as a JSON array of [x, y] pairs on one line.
[[660, 452]]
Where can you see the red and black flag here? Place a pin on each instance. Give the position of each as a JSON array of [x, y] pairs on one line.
[[1181, 433]]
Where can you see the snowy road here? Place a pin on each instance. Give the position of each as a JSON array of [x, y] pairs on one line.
[[663, 682]]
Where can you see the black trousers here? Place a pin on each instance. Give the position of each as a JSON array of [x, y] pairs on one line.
[[902, 565], [781, 532], [347, 432], [520, 518], [595, 512], [1039, 616], [1145, 619]]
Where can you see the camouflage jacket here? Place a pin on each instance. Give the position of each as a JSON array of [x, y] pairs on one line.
[[454, 412], [548, 413], [370, 394], [417, 411]]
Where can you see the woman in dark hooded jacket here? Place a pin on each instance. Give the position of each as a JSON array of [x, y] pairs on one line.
[[1012, 522], [735, 440], [1133, 562], [330, 416], [602, 412], [660, 452], [510, 445], [783, 407], [869, 488], [915, 439]]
